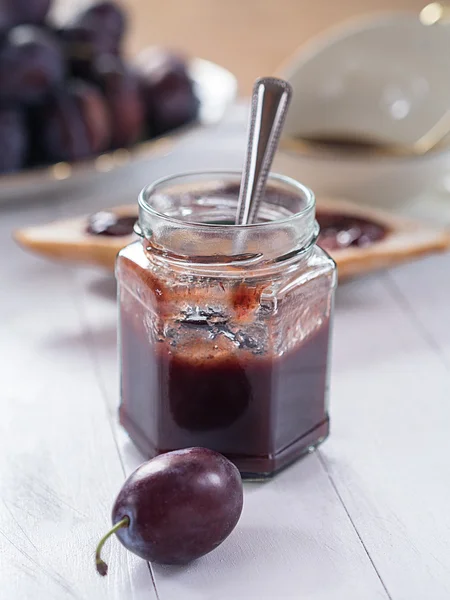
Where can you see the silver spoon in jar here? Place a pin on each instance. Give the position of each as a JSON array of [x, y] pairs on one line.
[[270, 102]]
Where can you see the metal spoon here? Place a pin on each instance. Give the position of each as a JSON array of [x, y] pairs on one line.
[[270, 101]]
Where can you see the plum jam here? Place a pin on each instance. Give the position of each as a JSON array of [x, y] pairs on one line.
[[339, 231], [110, 224], [224, 330]]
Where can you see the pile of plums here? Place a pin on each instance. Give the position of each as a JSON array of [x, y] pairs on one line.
[[66, 93]]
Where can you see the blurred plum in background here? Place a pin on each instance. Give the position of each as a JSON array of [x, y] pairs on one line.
[[167, 89], [13, 140], [31, 63], [61, 133], [95, 32], [120, 87], [21, 12], [67, 93]]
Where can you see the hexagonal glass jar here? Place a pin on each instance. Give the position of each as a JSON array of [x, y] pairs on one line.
[[224, 330]]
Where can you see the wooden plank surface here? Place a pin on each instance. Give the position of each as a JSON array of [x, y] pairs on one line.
[[59, 465], [389, 452], [365, 517]]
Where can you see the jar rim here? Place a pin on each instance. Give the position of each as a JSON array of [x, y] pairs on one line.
[[308, 195]]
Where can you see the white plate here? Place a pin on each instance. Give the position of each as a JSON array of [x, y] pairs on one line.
[[216, 89]]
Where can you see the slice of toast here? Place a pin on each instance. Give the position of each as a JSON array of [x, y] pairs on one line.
[[405, 240]]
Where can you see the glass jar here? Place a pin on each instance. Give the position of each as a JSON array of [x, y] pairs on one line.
[[224, 330]]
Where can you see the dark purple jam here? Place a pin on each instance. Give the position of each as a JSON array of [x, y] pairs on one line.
[[338, 231], [259, 409], [110, 224]]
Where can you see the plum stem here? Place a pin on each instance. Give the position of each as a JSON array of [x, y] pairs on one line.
[[100, 565]]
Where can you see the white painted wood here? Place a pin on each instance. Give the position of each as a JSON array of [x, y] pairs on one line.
[[283, 555], [294, 541], [423, 290], [59, 465], [389, 452], [292, 530], [365, 517]]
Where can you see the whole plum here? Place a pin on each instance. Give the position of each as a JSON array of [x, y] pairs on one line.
[[60, 131], [94, 113], [96, 31], [31, 64], [177, 507], [107, 20], [167, 89], [120, 87]]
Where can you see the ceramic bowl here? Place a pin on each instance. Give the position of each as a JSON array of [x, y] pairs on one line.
[[370, 178], [382, 78]]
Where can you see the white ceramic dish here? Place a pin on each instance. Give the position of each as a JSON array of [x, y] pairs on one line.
[[378, 78], [383, 78], [216, 88], [375, 179]]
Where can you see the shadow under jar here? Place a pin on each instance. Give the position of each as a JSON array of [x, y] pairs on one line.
[[224, 330]]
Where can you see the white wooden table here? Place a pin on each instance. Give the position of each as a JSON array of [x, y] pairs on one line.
[[366, 517]]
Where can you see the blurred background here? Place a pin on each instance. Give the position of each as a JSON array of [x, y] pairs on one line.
[[248, 37], [108, 96]]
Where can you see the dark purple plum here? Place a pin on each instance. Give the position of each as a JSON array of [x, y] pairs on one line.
[[80, 50], [61, 134], [13, 140], [31, 64], [96, 31], [108, 21], [22, 12], [167, 89], [121, 89], [177, 507], [95, 114], [73, 124], [93, 33]]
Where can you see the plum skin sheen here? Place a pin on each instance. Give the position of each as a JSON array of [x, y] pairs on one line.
[[17, 12], [31, 63], [180, 506]]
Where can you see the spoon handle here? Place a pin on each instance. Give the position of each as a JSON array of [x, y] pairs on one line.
[[270, 101]]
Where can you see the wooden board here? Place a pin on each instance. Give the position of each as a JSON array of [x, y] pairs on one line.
[[406, 240]]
